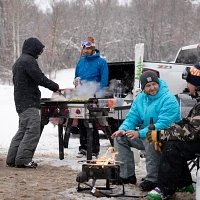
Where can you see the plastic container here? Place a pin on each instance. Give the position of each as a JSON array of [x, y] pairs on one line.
[[118, 94], [111, 103], [103, 103]]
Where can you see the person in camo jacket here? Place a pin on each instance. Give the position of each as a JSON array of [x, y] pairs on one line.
[[179, 143]]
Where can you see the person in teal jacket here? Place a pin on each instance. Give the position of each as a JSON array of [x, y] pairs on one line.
[[91, 68], [154, 101]]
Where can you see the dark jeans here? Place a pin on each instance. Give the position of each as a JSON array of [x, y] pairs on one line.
[[83, 136], [174, 171]]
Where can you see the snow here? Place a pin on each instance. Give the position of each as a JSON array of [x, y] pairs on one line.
[[47, 149]]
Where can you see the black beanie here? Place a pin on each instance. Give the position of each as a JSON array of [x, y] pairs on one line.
[[194, 75], [147, 77]]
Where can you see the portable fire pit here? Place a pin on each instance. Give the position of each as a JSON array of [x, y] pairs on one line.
[[92, 169]]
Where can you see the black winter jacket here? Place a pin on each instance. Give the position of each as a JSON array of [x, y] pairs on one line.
[[27, 76]]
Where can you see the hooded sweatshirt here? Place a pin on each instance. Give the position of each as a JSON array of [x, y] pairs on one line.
[[163, 107], [27, 76]]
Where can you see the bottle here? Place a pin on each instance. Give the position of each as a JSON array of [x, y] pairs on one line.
[[198, 185], [118, 93], [151, 125]]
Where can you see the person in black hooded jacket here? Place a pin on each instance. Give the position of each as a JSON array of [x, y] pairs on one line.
[[27, 76]]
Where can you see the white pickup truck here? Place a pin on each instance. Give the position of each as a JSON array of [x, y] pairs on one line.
[[172, 72]]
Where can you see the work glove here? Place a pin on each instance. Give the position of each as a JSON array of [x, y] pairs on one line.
[[153, 136]]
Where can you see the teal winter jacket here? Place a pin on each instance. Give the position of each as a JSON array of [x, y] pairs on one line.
[[163, 107]]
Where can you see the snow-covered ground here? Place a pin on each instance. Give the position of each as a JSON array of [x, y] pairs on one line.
[[48, 144]]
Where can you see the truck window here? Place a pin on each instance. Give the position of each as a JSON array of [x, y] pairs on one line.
[[189, 56]]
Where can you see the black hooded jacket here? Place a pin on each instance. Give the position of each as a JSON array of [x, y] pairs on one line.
[[27, 76]]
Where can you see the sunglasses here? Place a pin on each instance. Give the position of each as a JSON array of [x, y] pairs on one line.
[[87, 44]]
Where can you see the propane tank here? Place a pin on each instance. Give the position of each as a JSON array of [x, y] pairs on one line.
[[198, 185]]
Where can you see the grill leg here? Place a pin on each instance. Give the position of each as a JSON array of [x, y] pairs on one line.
[[89, 139], [60, 139], [107, 184], [44, 121], [108, 134], [67, 132]]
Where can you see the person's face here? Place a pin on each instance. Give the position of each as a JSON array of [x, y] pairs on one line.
[[191, 88], [40, 52], [151, 88], [87, 51]]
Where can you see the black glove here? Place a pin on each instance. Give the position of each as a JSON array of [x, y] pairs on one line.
[[153, 136], [183, 122]]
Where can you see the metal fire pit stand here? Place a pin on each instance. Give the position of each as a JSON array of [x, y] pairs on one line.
[[93, 171]]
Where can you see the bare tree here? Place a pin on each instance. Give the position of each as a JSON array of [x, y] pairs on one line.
[[164, 26]]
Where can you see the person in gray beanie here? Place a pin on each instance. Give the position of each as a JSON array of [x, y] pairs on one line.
[[148, 77], [155, 101]]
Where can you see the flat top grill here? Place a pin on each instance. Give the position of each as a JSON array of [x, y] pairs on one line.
[[63, 100]]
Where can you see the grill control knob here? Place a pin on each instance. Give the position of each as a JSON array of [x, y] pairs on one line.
[[45, 110], [56, 110], [78, 111], [67, 111]]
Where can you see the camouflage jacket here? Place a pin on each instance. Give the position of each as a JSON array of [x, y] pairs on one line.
[[188, 129]]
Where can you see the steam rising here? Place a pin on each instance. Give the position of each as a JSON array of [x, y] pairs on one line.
[[90, 89]]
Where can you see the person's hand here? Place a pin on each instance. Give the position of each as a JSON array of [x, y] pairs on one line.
[[153, 137], [132, 134], [157, 146], [76, 81], [118, 134]]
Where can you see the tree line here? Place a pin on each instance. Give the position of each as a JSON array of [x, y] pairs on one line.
[[162, 25]]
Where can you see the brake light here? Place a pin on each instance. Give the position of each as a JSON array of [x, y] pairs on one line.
[[157, 73], [198, 46], [78, 111], [56, 110], [45, 110], [67, 111]]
